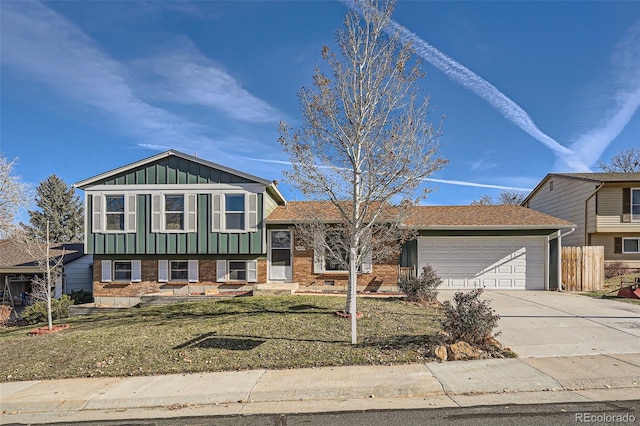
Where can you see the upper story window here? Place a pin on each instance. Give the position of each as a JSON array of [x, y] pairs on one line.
[[635, 204], [113, 213], [173, 212], [234, 212]]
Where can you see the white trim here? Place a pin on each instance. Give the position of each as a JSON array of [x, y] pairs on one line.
[[200, 188]]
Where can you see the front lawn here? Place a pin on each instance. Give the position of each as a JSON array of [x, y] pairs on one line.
[[611, 286], [235, 334]]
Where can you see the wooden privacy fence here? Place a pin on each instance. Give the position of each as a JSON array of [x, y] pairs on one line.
[[583, 268]]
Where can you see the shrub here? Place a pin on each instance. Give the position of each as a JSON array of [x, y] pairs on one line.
[[423, 288], [469, 319], [615, 269], [80, 297], [37, 312]]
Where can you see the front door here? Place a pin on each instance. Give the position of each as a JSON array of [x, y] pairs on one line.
[[280, 255]]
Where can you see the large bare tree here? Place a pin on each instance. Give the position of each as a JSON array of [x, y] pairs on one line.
[[365, 144], [13, 196], [625, 161]]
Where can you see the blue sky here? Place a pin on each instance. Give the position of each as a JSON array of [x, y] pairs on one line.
[[527, 88]]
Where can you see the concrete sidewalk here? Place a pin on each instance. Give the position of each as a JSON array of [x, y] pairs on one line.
[[598, 340], [431, 385]]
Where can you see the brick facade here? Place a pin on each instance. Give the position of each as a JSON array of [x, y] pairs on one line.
[[384, 277], [150, 284]]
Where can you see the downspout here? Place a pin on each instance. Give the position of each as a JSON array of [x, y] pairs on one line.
[[586, 214], [560, 235]]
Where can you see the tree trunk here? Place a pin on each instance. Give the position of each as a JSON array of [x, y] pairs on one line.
[[48, 283]]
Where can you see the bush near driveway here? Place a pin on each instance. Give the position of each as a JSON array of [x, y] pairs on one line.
[[236, 334]]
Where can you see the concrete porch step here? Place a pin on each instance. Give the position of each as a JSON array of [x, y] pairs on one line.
[[275, 289]]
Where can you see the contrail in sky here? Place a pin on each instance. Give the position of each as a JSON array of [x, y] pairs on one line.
[[470, 80]]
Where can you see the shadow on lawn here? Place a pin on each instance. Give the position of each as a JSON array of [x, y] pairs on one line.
[[239, 341]]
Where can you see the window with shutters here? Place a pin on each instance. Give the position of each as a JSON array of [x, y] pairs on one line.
[[121, 271], [173, 212], [236, 271], [333, 255], [234, 212], [635, 204], [113, 213]]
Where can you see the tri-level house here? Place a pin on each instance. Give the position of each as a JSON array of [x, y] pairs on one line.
[[604, 206], [175, 223]]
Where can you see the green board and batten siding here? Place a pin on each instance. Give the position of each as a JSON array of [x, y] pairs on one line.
[[175, 170]]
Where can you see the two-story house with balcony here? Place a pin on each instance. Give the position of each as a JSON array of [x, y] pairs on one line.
[[177, 224], [604, 206]]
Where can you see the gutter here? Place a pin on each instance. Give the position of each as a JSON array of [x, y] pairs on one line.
[[560, 235], [586, 213]]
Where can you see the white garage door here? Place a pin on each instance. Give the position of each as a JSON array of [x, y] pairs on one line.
[[490, 262]]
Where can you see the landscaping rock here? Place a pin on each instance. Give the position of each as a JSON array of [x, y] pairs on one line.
[[462, 350], [440, 352]]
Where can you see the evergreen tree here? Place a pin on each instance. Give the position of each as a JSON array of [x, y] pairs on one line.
[[58, 204]]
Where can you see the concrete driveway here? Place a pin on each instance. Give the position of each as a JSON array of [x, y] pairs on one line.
[[538, 324]]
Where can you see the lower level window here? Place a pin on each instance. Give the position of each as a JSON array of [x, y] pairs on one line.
[[631, 245], [179, 270], [121, 271], [237, 271]]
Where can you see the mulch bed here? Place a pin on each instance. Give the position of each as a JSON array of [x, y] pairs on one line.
[[45, 330]]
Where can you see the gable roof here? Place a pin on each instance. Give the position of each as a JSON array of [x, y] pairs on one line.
[[599, 178], [14, 255], [436, 217], [271, 185]]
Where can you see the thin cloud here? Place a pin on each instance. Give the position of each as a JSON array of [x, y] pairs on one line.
[[626, 65], [45, 47], [49, 49], [189, 78], [446, 181]]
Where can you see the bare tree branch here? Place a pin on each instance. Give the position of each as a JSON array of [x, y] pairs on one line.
[[623, 162]]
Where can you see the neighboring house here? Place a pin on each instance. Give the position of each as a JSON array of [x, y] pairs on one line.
[[604, 206], [175, 223], [18, 267], [501, 247]]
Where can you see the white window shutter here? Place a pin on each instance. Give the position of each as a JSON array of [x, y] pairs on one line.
[[163, 271], [318, 255], [130, 222], [106, 271], [156, 212], [221, 271], [193, 271], [216, 212], [136, 271], [252, 271], [191, 212], [252, 212], [97, 212]]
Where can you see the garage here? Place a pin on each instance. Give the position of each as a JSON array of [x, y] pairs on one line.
[[506, 263]]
